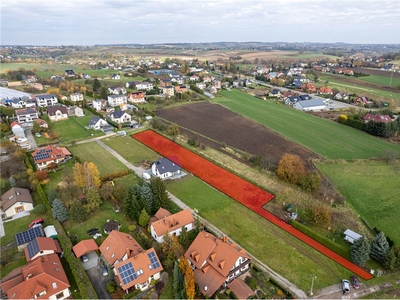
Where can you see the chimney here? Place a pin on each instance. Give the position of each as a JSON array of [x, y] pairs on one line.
[[225, 239], [28, 276]]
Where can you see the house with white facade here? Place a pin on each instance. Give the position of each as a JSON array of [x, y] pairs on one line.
[[136, 97], [164, 168], [143, 85], [120, 117], [97, 123], [99, 104], [46, 100], [163, 223], [57, 113], [50, 154], [26, 115], [76, 97], [116, 100], [16, 200]]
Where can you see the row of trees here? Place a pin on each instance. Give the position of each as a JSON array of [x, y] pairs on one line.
[[379, 249]]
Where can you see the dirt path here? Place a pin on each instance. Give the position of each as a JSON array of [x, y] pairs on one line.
[[335, 291]]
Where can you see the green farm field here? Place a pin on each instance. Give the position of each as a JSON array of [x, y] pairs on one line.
[[383, 80], [372, 189], [326, 138], [105, 162], [282, 252]]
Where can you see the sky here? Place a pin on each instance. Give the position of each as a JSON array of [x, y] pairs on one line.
[[89, 22]]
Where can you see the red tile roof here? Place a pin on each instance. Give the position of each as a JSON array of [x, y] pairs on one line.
[[241, 289], [44, 244], [84, 247], [378, 118], [41, 275], [49, 153], [172, 222], [117, 244], [15, 123]]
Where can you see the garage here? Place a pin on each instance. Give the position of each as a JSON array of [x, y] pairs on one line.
[[88, 250]]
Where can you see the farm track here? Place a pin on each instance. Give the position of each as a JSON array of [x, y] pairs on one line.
[[237, 188], [221, 124]]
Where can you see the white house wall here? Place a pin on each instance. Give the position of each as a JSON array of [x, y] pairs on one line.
[[11, 210]]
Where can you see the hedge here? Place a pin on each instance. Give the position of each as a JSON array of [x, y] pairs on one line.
[[339, 249], [114, 175]]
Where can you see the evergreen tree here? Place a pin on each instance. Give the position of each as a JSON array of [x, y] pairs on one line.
[[12, 181], [184, 238], [96, 85], [161, 198], [93, 200], [52, 194], [379, 247], [359, 251], [147, 197], [144, 218], [389, 261], [59, 211], [131, 206], [76, 213]]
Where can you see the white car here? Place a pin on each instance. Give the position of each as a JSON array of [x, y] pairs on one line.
[[345, 286]]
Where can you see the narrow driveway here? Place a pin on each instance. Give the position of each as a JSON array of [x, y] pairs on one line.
[[286, 283], [31, 139], [99, 282]]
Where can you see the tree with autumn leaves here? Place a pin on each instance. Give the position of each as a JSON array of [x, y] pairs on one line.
[[87, 176], [188, 275]]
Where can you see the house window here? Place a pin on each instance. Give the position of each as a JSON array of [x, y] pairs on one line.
[[19, 209], [60, 295], [139, 272], [54, 285]]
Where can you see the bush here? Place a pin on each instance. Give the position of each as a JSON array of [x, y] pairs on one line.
[[111, 286], [40, 209], [111, 176]]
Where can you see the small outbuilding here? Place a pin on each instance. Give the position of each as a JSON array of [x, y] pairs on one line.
[[50, 231], [84, 247], [351, 236]]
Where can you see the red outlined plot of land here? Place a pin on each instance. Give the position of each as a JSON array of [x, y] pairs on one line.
[[237, 188]]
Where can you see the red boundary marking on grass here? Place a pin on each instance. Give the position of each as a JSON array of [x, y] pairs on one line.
[[237, 188]]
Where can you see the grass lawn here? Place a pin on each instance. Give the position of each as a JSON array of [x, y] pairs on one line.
[[105, 161], [282, 252], [168, 292], [383, 80], [372, 189], [130, 149], [326, 138], [96, 220]]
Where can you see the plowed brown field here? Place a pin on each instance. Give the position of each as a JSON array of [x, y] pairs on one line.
[[225, 126]]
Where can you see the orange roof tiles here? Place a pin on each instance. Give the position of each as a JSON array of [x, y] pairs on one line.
[[172, 222], [241, 289], [84, 247], [44, 244], [117, 244]]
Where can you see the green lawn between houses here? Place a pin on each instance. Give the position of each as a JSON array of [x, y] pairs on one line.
[[372, 189], [93, 152], [326, 138], [282, 252]]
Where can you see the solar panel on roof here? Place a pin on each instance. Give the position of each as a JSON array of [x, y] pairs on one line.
[[153, 259], [127, 273], [33, 248], [28, 235]]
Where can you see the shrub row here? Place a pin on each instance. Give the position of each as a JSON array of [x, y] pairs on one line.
[[81, 278], [339, 249], [111, 176], [282, 288]]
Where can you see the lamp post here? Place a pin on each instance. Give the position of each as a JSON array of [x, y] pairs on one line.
[[312, 284]]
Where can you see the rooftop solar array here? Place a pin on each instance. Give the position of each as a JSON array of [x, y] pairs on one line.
[[43, 154], [28, 235], [127, 273], [153, 259], [33, 248]]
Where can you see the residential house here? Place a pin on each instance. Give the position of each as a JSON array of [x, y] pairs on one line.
[[75, 111], [217, 84], [216, 262], [130, 85], [97, 123], [70, 73], [23, 238], [275, 93], [181, 89], [57, 113], [50, 154], [120, 117], [117, 90], [325, 90], [42, 123], [86, 76], [17, 130], [18, 103], [41, 246], [164, 82], [136, 97], [211, 89], [194, 78], [310, 105], [363, 100], [305, 97], [26, 115], [118, 247], [56, 78], [99, 104], [16, 200], [76, 97], [201, 85], [296, 84], [171, 224], [179, 80], [116, 100], [292, 100], [141, 86], [377, 118], [42, 278], [206, 79], [167, 90], [165, 168], [46, 100], [31, 79], [348, 72], [309, 87], [341, 96], [115, 76]]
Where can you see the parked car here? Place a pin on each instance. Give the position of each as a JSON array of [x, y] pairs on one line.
[[345, 286], [84, 258], [105, 271], [355, 282], [38, 134], [36, 222]]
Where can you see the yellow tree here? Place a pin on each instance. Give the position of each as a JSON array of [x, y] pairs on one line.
[[92, 176], [79, 175], [291, 168], [188, 274]]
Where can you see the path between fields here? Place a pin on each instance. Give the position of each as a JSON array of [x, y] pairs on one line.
[[139, 171]]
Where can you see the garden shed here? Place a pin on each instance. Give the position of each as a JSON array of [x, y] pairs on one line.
[[351, 236]]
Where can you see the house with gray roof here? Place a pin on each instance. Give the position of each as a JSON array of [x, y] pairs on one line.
[[120, 117], [46, 100], [165, 168], [97, 123]]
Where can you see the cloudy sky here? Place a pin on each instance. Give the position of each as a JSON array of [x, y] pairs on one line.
[[88, 22]]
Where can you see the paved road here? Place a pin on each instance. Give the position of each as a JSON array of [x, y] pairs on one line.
[[286, 283], [335, 291], [31, 139]]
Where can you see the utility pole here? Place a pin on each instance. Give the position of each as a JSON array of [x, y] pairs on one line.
[[312, 284], [391, 77]]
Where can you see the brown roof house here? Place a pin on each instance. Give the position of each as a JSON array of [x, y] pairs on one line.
[[171, 224], [57, 113], [42, 278], [16, 200], [216, 262]]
